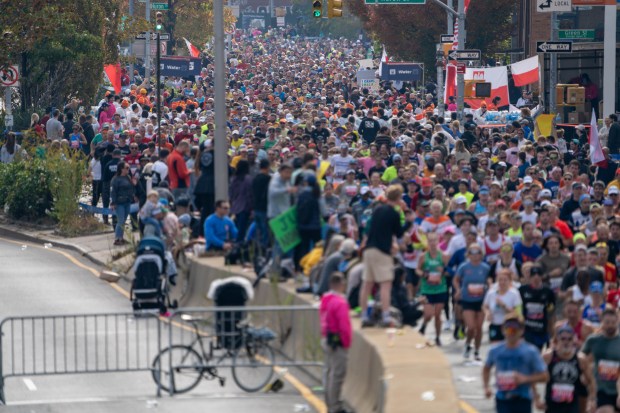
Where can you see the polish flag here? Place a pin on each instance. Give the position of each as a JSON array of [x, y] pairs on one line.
[[193, 50], [497, 76], [525, 72], [596, 151]]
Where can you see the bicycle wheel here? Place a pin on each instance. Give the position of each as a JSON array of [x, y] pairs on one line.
[[253, 366], [186, 369]]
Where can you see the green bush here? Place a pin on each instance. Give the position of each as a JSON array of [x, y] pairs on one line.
[[66, 182], [29, 195]]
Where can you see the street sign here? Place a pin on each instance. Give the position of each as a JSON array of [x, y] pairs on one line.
[[447, 38], [179, 66], [545, 6], [8, 121], [554, 47], [9, 75], [162, 36], [460, 68], [465, 55], [587, 34], [395, 1], [159, 6], [403, 71]]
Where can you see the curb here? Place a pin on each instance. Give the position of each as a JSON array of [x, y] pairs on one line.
[[41, 240]]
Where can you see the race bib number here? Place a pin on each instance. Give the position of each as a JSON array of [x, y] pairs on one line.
[[608, 370], [506, 380], [475, 290], [434, 278], [555, 283], [562, 393], [535, 311]]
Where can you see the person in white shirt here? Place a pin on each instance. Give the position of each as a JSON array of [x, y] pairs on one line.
[[500, 301], [524, 100], [340, 163]]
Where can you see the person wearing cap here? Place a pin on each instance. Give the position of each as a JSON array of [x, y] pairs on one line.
[[594, 304], [463, 192], [602, 350], [236, 139], [470, 286], [566, 369], [580, 218], [539, 302], [479, 208], [572, 203], [391, 172], [518, 367]]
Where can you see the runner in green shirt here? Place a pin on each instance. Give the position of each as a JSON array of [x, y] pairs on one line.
[[434, 286]]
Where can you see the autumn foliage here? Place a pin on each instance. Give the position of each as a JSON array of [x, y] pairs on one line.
[[411, 32]]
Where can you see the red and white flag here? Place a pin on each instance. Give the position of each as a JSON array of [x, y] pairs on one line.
[[384, 58], [193, 50], [496, 76], [525, 72], [596, 150]]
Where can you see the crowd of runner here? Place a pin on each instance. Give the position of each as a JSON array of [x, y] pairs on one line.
[[471, 222]]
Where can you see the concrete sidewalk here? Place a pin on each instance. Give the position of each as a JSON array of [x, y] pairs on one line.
[[98, 248]]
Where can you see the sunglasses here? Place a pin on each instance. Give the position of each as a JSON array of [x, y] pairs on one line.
[[475, 252]]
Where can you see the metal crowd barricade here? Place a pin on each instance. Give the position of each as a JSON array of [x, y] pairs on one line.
[[124, 342], [77, 344]]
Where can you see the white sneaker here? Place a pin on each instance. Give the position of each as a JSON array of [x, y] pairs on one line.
[[467, 352], [447, 325]]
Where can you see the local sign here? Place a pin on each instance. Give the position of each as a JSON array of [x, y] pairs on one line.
[[465, 55], [395, 1], [553, 5], [554, 47], [447, 38], [587, 34], [159, 6]]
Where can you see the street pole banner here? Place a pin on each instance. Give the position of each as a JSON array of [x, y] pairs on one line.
[[407, 72], [284, 228]]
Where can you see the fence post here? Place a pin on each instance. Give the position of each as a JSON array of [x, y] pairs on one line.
[[2, 398], [159, 321]]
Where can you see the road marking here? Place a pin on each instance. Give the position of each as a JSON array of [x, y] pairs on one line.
[[466, 407], [60, 401], [305, 392], [30, 384]]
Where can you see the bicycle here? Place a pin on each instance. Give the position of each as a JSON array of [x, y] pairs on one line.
[[183, 366]]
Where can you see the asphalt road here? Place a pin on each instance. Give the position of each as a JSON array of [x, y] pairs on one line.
[[40, 281]]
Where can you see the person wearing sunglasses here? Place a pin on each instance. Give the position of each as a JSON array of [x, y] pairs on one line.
[[518, 367], [570, 379]]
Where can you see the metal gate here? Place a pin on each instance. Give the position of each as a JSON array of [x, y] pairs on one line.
[[126, 342]]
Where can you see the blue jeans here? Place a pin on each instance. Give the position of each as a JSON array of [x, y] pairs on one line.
[[260, 218], [122, 212]]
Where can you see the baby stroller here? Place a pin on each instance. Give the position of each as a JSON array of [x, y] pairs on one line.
[[149, 289], [230, 292]]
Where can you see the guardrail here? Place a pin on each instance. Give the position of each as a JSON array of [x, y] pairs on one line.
[[128, 342]]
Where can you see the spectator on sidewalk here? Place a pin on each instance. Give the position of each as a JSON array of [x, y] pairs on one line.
[[220, 231], [122, 195], [337, 336], [260, 189], [177, 170]]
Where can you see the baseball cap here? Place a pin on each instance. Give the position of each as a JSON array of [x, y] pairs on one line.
[[581, 247], [235, 132], [350, 171], [344, 146], [613, 190], [536, 270], [426, 183], [596, 287], [484, 189], [576, 185], [397, 158], [545, 193], [579, 236], [364, 190], [528, 180], [459, 199]]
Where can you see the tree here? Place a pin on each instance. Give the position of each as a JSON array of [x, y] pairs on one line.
[[62, 57], [193, 19], [411, 32]]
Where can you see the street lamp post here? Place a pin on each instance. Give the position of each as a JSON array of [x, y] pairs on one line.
[[158, 71]]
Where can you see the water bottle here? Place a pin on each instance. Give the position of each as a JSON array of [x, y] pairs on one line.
[[558, 119]]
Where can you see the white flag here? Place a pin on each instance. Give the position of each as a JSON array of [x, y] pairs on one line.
[[596, 151]]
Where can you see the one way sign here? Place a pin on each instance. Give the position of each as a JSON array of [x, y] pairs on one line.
[[553, 5], [465, 55], [554, 47]]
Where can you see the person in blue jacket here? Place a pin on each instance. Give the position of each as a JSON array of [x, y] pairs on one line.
[[220, 230]]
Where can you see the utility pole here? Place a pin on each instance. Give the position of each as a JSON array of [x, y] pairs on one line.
[[460, 78], [147, 45], [157, 71], [609, 62], [450, 4], [553, 65], [131, 42], [219, 77]]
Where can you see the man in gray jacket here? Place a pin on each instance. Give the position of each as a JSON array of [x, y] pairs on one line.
[[279, 201]]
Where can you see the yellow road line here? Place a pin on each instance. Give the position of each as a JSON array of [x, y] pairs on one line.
[[466, 407], [305, 392]]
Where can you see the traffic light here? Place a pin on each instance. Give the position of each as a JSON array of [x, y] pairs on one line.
[[159, 21], [334, 8], [317, 8]]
